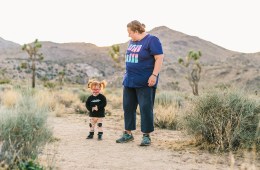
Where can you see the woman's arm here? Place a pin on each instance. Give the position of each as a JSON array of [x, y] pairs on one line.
[[156, 69], [158, 64]]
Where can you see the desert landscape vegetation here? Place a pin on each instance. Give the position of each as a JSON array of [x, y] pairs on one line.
[[207, 112]]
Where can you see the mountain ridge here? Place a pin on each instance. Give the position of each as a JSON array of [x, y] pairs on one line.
[[175, 44]]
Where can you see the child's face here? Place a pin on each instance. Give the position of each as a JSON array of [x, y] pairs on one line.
[[95, 89]]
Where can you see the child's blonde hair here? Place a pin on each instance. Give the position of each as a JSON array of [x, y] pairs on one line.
[[91, 83]]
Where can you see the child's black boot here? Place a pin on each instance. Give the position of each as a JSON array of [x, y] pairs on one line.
[[100, 135], [90, 136]]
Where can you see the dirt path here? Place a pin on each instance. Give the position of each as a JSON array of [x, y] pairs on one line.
[[73, 151]]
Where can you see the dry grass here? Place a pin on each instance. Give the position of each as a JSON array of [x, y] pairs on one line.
[[57, 102], [248, 160], [66, 98], [167, 106], [79, 107], [166, 116], [115, 101], [46, 98], [60, 110], [60, 102], [10, 98]]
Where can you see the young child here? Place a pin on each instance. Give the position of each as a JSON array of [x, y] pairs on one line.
[[96, 106]]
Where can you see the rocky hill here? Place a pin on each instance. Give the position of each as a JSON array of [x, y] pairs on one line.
[[82, 61]]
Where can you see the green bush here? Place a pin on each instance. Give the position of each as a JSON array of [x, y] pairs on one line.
[[30, 165], [49, 85], [167, 98], [83, 97], [5, 81], [23, 130], [225, 120]]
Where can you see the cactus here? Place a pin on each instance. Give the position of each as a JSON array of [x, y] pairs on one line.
[[194, 69], [33, 51]]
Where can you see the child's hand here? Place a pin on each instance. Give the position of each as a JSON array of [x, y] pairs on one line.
[[95, 108]]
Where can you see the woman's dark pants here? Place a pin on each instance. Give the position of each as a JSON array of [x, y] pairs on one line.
[[144, 97]]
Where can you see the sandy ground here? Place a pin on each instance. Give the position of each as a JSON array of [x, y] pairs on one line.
[[72, 150]]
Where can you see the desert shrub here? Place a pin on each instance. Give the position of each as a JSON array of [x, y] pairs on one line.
[[5, 81], [114, 91], [4, 87], [23, 130], [165, 117], [83, 97], [49, 85], [60, 110], [223, 86], [9, 98], [166, 109], [166, 98], [30, 165], [79, 107], [114, 99], [66, 98], [224, 120], [46, 98]]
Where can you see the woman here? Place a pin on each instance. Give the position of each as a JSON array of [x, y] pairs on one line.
[[144, 57]]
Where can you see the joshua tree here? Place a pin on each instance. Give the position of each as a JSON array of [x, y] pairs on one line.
[[193, 69], [33, 51], [114, 53]]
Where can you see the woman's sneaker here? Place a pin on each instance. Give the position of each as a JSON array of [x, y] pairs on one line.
[[146, 140], [125, 138]]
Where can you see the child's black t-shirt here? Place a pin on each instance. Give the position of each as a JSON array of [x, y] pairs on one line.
[[100, 101]]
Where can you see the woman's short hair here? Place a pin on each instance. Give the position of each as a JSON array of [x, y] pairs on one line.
[[136, 26]]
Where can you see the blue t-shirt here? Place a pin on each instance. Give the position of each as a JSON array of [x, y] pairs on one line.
[[139, 59]]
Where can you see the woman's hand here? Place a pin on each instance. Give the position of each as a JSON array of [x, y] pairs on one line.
[[152, 80]]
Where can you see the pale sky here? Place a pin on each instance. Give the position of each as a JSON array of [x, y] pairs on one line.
[[232, 24]]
